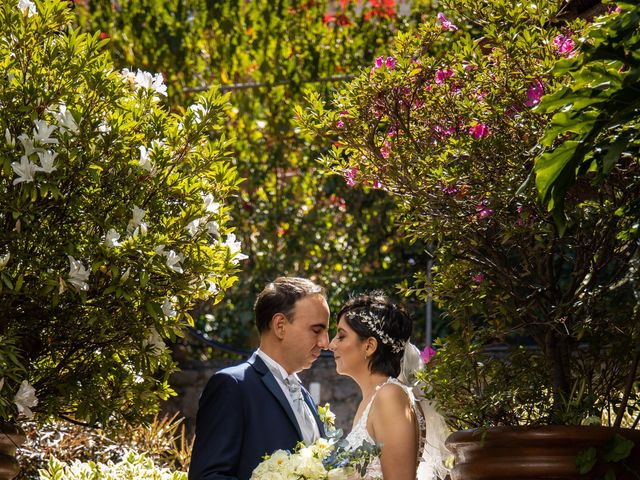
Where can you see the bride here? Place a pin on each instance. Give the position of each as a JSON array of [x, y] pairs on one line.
[[372, 347]]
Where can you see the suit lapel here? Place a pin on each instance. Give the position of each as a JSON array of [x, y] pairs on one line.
[[274, 387]]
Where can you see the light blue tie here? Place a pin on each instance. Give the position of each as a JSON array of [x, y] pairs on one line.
[[301, 409]]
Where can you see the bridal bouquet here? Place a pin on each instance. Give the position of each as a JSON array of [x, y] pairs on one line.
[[325, 459]]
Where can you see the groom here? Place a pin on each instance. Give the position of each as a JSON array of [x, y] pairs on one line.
[[258, 407]]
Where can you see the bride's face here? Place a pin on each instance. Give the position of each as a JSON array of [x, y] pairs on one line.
[[348, 350]]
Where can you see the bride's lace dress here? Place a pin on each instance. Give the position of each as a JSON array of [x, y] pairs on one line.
[[359, 434]]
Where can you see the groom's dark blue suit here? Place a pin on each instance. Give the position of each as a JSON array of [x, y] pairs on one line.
[[243, 415]]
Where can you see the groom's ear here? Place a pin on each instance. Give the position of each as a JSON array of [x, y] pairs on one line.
[[277, 324]]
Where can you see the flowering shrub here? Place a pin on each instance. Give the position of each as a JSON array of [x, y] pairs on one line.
[[133, 467], [113, 221], [290, 219], [446, 124]]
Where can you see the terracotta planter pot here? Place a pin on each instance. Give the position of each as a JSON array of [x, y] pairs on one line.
[[11, 437], [547, 452]]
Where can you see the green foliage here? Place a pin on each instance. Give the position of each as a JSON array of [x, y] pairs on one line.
[[594, 130], [444, 124], [133, 467], [113, 221], [613, 454], [477, 388], [291, 218]]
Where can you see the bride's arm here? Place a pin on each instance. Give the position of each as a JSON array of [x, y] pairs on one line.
[[393, 426]]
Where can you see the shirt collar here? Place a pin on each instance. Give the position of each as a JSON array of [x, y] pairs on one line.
[[275, 368]]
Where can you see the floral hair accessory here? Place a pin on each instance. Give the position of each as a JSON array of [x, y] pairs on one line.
[[375, 325]]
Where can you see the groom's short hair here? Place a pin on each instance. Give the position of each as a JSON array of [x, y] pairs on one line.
[[280, 296]]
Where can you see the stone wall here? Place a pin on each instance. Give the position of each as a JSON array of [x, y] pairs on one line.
[[321, 380]]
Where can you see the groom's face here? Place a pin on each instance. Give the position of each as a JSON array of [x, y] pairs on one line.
[[306, 335]]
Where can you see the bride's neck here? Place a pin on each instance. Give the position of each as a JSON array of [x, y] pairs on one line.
[[369, 382]]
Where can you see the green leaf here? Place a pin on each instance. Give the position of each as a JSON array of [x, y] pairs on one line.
[[552, 165], [585, 460], [618, 448]]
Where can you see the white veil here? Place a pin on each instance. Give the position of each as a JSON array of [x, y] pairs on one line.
[[433, 457]]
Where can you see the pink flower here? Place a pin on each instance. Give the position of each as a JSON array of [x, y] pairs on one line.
[[479, 130], [377, 184], [350, 176], [478, 278], [427, 354], [446, 24], [564, 44], [480, 96], [444, 132], [534, 94], [390, 63], [483, 211], [450, 190], [378, 62], [384, 150], [339, 124], [442, 75]]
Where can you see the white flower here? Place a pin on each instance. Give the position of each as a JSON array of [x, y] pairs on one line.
[[167, 309], [404, 8], [141, 230], [159, 249], [111, 239], [209, 205], [341, 473], [10, 140], [145, 159], [27, 144], [234, 248], [65, 119], [261, 124], [125, 275], [24, 170], [322, 448], [150, 82], [42, 132], [27, 7], [155, 340], [135, 224], [4, 260], [212, 288], [78, 274], [212, 228], [26, 399], [46, 161], [158, 85], [359, 8], [173, 261], [310, 466], [129, 77], [198, 111], [104, 128], [193, 226]]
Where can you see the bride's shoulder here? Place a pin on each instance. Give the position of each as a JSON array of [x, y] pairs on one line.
[[390, 397]]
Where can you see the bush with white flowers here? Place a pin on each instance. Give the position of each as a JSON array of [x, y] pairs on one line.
[[112, 222], [132, 467]]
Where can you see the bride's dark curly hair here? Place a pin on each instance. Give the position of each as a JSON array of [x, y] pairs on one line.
[[375, 315]]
